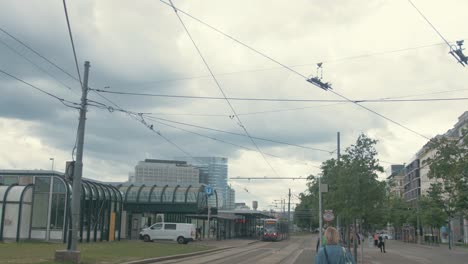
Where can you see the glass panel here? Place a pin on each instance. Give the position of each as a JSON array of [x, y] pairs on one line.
[[8, 180], [25, 180], [59, 187], [1, 180], [156, 195], [144, 194], [40, 208], [132, 194], [58, 209], [168, 195], [180, 195], [192, 195], [170, 226], [42, 184]]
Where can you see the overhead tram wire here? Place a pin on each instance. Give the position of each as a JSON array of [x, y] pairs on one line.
[[354, 57], [219, 140], [382, 100], [72, 42], [36, 65], [37, 53], [220, 88], [429, 22], [237, 134], [61, 100], [289, 68]]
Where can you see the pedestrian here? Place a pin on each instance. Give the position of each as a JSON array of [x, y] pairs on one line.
[[376, 240], [382, 243], [324, 241], [333, 253]]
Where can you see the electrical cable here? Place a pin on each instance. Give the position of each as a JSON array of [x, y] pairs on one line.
[[37, 53], [37, 66], [288, 68], [61, 100], [237, 134], [292, 66], [382, 100], [429, 22], [72, 43], [220, 88]]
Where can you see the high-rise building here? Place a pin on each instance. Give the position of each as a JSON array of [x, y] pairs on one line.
[[214, 172], [230, 203], [395, 180], [170, 172]]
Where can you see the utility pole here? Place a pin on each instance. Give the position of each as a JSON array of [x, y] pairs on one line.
[[338, 156], [78, 170], [320, 212], [289, 211]]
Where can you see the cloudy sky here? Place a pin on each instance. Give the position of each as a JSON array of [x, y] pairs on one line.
[[371, 49]]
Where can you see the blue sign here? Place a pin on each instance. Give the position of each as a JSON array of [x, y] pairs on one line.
[[208, 190]]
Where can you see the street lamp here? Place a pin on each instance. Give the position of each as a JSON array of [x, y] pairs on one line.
[[52, 159]]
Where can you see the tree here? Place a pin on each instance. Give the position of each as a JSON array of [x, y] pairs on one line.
[[449, 166]]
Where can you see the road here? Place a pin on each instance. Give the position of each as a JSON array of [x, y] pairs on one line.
[[301, 250], [284, 252]]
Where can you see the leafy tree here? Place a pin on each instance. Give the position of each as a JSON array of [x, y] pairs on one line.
[[449, 165]]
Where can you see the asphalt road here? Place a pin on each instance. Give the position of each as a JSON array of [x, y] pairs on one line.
[[301, 250]]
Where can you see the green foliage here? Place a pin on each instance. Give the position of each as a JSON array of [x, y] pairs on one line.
[[449, 165], [354, 190]]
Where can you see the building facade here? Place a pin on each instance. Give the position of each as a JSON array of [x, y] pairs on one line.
[[412, 182], [230, 203], [171, 172], [395, 181], [213, 172]]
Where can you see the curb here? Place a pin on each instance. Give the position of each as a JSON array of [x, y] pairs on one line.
[[180, 256]]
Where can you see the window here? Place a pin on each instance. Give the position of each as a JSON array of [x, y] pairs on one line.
[[40, 210], [58, 210], [170, 226], [42, 184], [8, 180], [156, 226]]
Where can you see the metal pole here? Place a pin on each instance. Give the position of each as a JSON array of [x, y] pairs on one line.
[[289, 210], [52, 159], [320, 212], [209, 215], [76, 193], [338, 156]]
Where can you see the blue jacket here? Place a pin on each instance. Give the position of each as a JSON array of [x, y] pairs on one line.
[[336, 255]]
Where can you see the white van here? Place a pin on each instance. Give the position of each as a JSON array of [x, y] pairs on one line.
[[182, 233]]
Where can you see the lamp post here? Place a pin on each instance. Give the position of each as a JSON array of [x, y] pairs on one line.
[[52, 159]]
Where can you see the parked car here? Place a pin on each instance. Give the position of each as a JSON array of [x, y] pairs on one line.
[[182, 233], [387, 236]]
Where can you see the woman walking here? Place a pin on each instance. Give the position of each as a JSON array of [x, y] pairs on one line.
[[333, 253]]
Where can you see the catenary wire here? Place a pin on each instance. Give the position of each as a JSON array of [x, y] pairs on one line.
[[429, 22], [220, 88], [238, 134], [292, 66], [37, 53], [63, 101], [36, 65], [72, 42], [382, 100], [290, 69]]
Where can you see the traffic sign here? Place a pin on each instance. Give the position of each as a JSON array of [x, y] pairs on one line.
[[328, 215], [209, 190]]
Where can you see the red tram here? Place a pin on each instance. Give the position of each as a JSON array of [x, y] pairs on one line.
[[274, 230]]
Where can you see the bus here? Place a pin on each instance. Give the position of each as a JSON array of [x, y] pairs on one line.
[[274, 230]]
